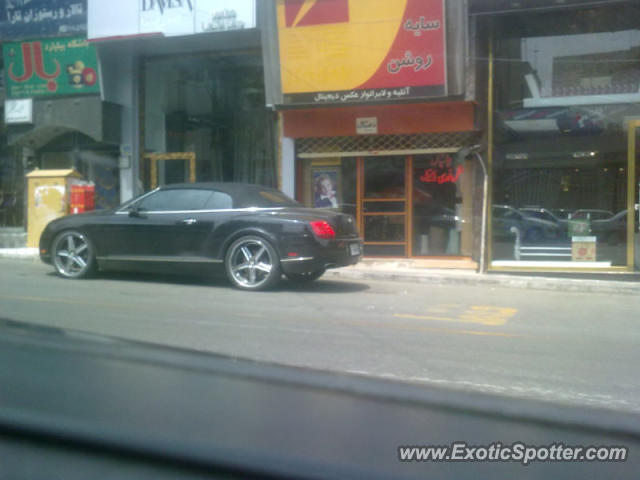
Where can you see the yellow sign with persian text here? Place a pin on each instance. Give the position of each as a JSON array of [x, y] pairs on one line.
[[345, 51]]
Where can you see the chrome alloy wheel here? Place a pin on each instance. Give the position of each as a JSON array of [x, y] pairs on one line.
[[251, 263], [72, 254]]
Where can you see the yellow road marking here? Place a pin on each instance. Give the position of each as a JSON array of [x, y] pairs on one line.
[[479, 314]]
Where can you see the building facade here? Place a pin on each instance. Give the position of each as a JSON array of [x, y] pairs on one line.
[[376, 106], [491, 135], [189, 77], [562, 106], [53, 114]]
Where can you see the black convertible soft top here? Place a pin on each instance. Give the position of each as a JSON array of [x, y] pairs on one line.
[[244, 195]]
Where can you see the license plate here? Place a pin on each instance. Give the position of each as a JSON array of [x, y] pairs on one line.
[[354, 249]]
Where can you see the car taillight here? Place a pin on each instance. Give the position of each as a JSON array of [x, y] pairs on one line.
[[322, 229]]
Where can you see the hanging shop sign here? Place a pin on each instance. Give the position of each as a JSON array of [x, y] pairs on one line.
[[126, 18], [18, 111], [351, 51], [367, 125], [63, 66], [42, 18]]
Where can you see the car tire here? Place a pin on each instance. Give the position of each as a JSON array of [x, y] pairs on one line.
[[73, 255], [307, 277], [252, 263]]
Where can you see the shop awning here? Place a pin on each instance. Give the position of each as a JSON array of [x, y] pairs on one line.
[[54, 117]]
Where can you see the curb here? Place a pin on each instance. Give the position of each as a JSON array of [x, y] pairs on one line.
[[20, 253], [491, 280]]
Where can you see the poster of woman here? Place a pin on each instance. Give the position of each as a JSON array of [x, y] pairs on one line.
[[326, 188]]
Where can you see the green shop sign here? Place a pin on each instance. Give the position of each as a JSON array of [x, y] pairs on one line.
[[62, 66]]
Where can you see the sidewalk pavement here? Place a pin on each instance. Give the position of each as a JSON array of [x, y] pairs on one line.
[[370, 269], [407, 271], [22, 253]]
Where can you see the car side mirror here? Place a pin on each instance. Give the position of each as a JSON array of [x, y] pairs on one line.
[[135, 212]]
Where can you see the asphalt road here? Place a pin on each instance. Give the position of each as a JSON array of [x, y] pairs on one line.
[[565, 347]]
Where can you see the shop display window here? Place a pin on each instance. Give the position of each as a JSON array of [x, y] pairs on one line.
[[212, 105], [567, 85]]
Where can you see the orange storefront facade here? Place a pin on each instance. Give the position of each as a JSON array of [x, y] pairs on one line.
[[411, 196], [374, 107]]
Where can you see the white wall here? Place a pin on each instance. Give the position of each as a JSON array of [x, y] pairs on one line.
[[119, 85], [288, 166]]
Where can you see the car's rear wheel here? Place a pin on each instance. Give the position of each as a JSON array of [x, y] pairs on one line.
[[73, 255], [252, 263], [306, 277]]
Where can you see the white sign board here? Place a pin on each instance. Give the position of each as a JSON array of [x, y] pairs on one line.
[[367, 125], [130, 18], [18, 111]]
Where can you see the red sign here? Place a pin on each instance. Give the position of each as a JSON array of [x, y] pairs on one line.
[[441, 171], [416, 57], [321, 13]]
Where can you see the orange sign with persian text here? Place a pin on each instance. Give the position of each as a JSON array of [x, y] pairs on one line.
[[352, 51]]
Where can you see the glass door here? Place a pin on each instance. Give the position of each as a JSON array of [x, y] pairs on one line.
[[633, 226], [383, 204], [441, 208]]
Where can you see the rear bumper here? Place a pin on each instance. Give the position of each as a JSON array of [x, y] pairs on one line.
[[333, 255]]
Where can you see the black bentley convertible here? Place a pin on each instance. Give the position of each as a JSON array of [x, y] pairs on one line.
[[256, 233]]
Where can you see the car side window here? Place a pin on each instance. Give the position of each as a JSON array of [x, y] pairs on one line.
[[218, 201], [183, 199], [511, 215]]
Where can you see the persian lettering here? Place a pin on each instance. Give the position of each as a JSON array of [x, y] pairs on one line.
[[362, 95], [32, 59], [434, 175], [421, 25], [417, 63], [48, 67]]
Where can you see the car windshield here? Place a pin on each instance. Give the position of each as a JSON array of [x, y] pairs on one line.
[[438, 193]]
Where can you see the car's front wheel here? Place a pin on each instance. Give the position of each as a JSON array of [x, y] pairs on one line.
[[252, 263], [305, 277], [73, 255]]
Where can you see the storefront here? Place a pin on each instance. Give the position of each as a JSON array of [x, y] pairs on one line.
[[56, 119], [191, 84], [53, 113], [46, 69], [563, 151], [375, 109], [405, 184], [211, 107], [11, 174]]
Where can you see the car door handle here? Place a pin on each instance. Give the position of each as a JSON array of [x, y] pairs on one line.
[[189, 221]]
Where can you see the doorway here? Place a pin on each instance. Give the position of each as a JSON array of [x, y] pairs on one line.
[[415, 206]]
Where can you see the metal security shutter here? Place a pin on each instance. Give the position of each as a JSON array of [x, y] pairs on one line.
[[367, 145]]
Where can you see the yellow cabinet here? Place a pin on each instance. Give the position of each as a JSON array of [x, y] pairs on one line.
[[48, 198]]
